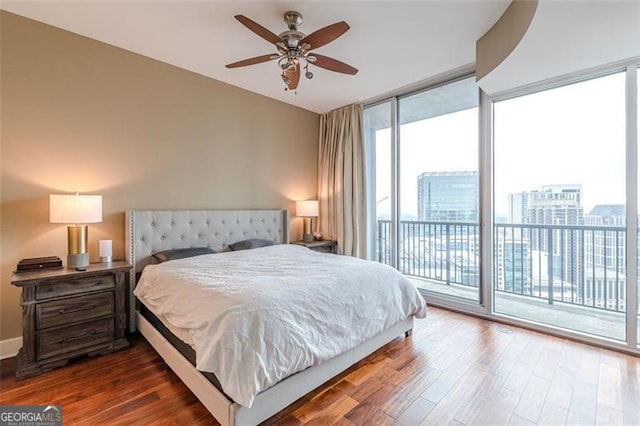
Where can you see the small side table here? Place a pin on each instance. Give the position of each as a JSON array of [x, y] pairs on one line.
[[68, 313], [322, 246]]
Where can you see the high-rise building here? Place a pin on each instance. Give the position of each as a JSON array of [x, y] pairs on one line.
[[518, 204], [448, 196], [554, 206], [607, 215], [605, 261], [605, 245], [512, 264]]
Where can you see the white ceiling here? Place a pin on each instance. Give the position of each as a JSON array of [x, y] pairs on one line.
[[393, 43], [565, 37]]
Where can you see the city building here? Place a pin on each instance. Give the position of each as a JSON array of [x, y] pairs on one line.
[[448, 196], [603, 288], [605, 241], [607, 215], [553, 211], [512, 269], [552, 205]]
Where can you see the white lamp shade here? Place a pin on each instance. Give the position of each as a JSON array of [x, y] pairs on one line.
[[307, 208], [75, 208]]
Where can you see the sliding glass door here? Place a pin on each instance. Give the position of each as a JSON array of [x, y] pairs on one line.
[[558, 189], [559, 206], [377, 128], [424, 187], [438, 239]]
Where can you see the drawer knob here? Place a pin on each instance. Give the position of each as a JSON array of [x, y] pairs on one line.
[[70, 311]]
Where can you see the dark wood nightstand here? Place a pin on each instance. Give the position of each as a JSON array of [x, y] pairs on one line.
[[322, 246], [68, 313]]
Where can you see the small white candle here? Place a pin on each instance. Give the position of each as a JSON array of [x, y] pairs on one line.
[[106, 250]]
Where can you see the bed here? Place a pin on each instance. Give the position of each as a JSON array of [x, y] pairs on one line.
[[150, 232]]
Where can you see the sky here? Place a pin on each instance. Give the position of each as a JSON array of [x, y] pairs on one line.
[[569, 135]]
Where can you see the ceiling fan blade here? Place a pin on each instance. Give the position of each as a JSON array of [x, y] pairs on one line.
[[325, 35], [333, 64], [258, 29], [253, 61], [294, 77]]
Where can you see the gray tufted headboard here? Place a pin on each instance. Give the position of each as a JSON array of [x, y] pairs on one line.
[[151, 231]]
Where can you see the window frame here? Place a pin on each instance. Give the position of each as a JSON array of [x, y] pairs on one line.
[[484, 307]]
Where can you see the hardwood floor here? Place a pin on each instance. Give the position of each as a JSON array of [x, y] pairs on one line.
[[455, 370]]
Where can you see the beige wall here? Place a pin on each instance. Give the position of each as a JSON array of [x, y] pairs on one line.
[[498, 43], [79, 115]]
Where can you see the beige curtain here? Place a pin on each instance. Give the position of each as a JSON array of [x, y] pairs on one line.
[[341, 179]]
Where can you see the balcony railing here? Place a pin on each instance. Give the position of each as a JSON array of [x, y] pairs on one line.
[[580, 265]]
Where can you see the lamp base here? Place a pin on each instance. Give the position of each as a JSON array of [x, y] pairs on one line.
[[307, 236], [79, 261]]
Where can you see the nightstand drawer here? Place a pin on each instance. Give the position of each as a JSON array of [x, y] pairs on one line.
[[324, 249], [321, 246], [74, 310], [65, 340], [74, 286]]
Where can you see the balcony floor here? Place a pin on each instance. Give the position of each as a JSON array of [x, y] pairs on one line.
[[587, 320]]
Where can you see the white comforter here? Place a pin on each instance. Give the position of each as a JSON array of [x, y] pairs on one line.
[[258, 316]]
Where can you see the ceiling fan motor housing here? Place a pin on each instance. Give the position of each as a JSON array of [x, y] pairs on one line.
[[292, 38]]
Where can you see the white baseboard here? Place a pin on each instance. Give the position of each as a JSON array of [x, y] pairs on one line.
[[10, 347]]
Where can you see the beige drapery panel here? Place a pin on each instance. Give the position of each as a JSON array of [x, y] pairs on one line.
[[341, 179]]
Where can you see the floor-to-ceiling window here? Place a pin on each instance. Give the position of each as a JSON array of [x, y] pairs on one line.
[[438, 239], [378, 134], [559, 206], [637, 106], [557, 183], [434, 193]]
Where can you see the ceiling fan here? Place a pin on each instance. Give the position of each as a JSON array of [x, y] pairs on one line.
[[294, 48]]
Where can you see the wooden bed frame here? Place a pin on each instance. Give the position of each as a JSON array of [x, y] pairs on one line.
[[149, 231]]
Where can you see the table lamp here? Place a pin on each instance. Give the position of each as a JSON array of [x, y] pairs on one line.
[[76, 210], [307, 209]]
